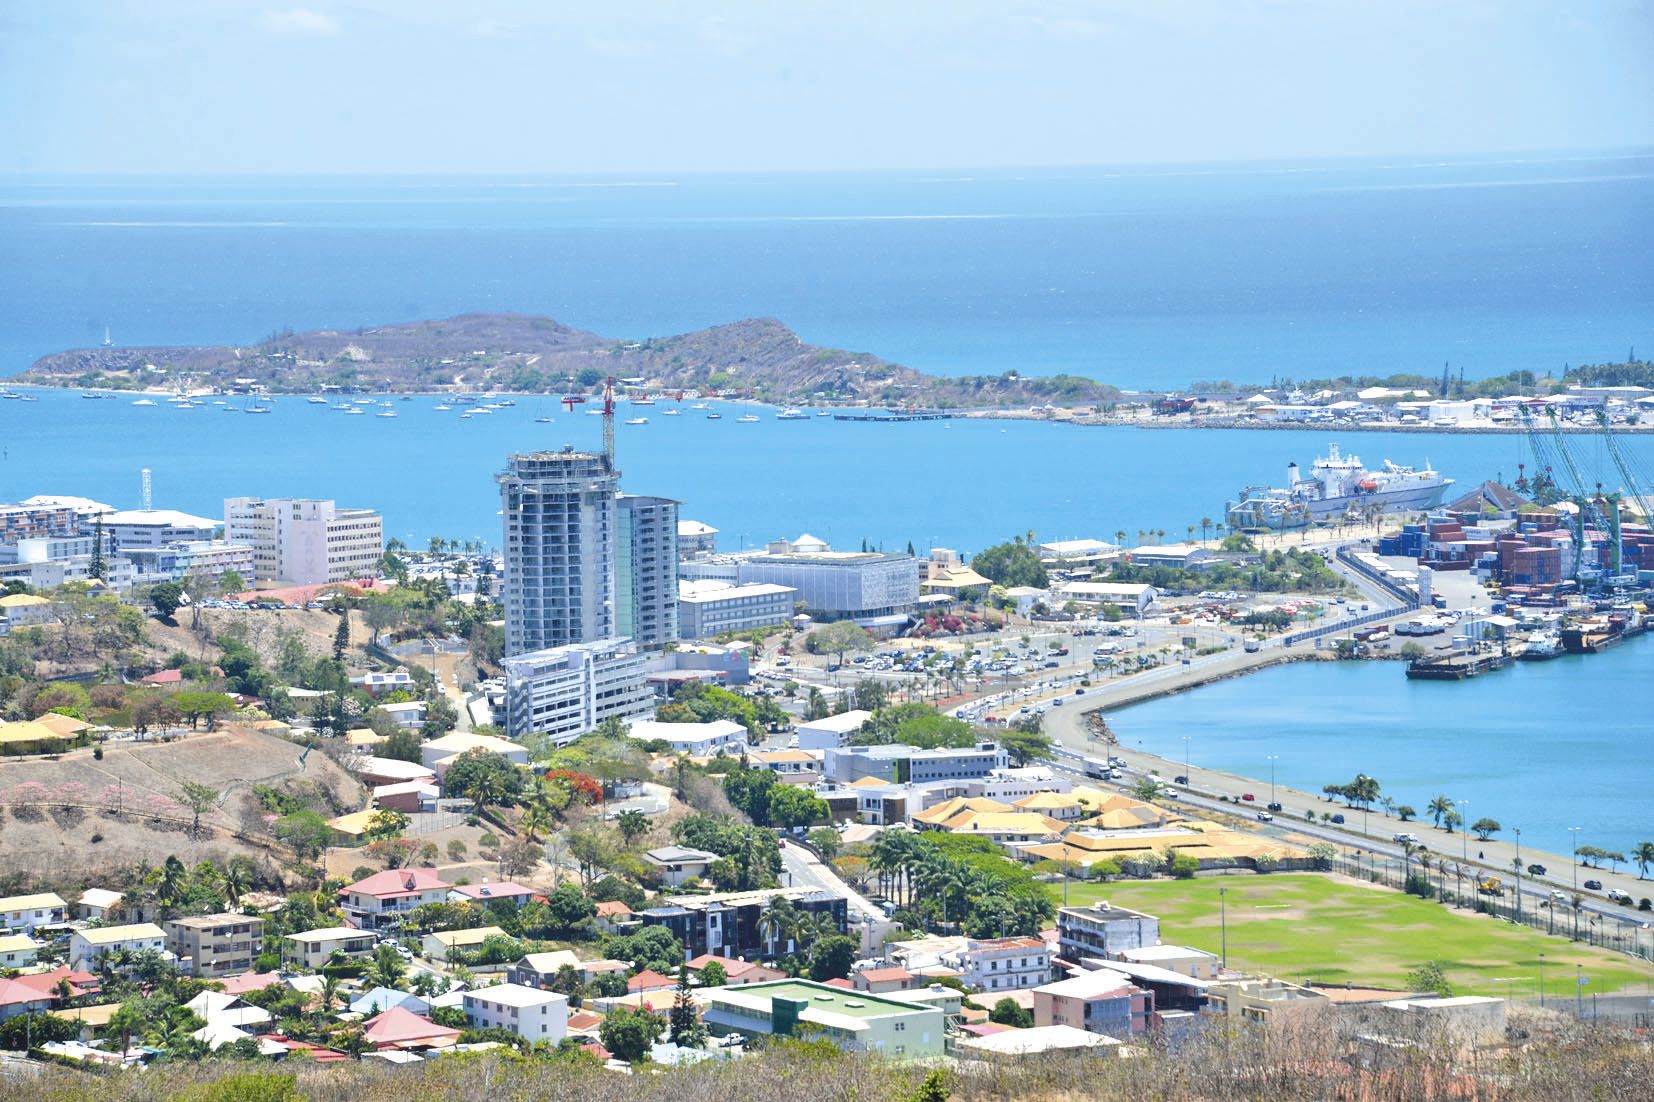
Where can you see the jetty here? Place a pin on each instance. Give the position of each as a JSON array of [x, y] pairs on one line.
[[894, 415]]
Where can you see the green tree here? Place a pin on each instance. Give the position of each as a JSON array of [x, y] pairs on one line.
[[1025, 745], [196, 706], [403, 745], [1438, 808], [1428, 977], [633, 824], [628, 1034], [792, 806], [200, 799], [1007, 1012], [831, 957], [1486, 828], [838, 639], [341, 636], [825, 841], [167, 598], [1643, 855], [712, 975], [305, 831], [1012, 564], [684, 1019]]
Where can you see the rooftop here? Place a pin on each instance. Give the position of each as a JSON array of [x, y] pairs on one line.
[[825, 1003], [842, 724], [515, 994], [329, 933], [112, 935]]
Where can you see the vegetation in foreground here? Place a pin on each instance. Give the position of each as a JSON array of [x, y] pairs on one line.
[[1301, 926], [1545, 1060]]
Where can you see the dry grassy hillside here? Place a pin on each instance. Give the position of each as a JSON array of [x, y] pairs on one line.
[[68, 817]]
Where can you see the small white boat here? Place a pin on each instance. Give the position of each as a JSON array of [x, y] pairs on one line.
[[791, 414], [542, 420], [258, 409], [356, 412], [637, 420], [143, 402], [714, 417], [699, 405], [386, 413], [643, 401], [10, 394], [671, 413], [316, 400], [822, 413], [594, 413], [482, 410], [442, 409], [747, 419], [465, 417]]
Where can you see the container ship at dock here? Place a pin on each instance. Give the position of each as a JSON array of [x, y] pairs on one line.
[[1338, 485]]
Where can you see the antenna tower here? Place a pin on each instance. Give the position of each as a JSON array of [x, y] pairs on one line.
[[146, 489]]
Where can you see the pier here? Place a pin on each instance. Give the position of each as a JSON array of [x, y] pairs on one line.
[[895, 415]]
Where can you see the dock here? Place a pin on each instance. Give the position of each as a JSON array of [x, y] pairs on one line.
[[895, 415], [1456, 667]]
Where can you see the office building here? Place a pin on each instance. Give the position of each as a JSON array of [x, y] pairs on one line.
[[216, 945], [568, 690], [198, 558], [561, 534], [305, 541], [646, 576], [907, 764], [837, 585], [853, 1020], [1102, 931], [38, 518], [133, 528], [707, 607]]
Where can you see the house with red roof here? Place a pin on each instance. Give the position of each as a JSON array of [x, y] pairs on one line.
[[383, 898], [612, 915], [878, 981], [737, 971], [399, 1028], [649, 980], [19, 998], [80, 983], [486, 893]]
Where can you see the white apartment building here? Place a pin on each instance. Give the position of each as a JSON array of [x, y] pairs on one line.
[[312, 948], [87, 947], [23, 913], [561, 530], [707, 607], [305, 541], [566, 691], [200, 558], [529, 1012], [841, 584], [132, 528], [1003, 964]]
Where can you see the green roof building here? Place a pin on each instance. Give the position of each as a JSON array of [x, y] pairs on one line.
[[850, 1019]]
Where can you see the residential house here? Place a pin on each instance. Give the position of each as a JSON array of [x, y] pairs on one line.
[[498, 891], [882, 981], [443, 944], [382, 683], [399, 1028], [531, 1013], [1194, 963], [1265, 1001], [22, 913], [216, 945], [649, 980], [853, 1020], [19, 998], [386, 897], [88, 947], [97, 903], [1102, 1001], [698, 740], [737, 972], [373, 771], [383, 998], [1003, 964], [312, 948], [540, 969], [613, 915], [435, 753], [802, 767], [17, 951], [677, 864], [408, 797]]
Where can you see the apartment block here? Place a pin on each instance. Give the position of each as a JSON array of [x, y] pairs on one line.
[[216, 945], [305, 541]]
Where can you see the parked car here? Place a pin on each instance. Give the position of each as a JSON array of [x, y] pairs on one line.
[[1593, 885], [1618, 896]]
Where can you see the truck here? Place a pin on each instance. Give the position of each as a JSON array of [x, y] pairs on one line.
[[1491, 885]]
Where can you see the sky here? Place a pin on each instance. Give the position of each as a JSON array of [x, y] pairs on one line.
[[207, 87]]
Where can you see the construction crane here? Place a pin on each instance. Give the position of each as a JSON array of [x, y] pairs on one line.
[[609, 421]]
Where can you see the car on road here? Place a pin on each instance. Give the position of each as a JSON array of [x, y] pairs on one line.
[[1593, 885], [1265, 817], [1181, 778], [1274, 807], [1557, 897], [1339, 819], [1404, 836], [1618, 896], [1536, 870], [1247, 796]]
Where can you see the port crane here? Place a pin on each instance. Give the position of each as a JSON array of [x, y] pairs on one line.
[[1552, 454]]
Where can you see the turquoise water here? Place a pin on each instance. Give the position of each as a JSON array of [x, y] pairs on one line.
[[1543, 746], [960, 484]]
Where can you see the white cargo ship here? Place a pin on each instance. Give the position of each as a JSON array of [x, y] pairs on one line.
[[1338, 485]]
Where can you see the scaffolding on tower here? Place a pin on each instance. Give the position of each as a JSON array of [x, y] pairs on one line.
[[609, 421]]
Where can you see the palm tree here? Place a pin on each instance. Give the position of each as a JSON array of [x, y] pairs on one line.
[[174, 878], [770, 924], [536, 818], [1643, 855], [330, 993], [1205, 528], [238, 877], [1438, 807], [388, 968]]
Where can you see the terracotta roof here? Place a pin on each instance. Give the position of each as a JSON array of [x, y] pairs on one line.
[[582, 1021], [649, 980], [391, 883], [399, 1027], [80, 983], [611, 908], [250, 981], [598, 1051], [838, 981], [13, 993], [886, 975]]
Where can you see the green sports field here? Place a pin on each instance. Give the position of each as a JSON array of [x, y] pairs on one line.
[[1302, 926]]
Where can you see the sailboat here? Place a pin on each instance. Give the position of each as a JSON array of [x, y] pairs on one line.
[[540, 417]]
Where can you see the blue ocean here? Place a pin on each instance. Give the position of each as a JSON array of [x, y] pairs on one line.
[[1140, 277]]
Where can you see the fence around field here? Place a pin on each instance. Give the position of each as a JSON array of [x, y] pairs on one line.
[[1625, 933]]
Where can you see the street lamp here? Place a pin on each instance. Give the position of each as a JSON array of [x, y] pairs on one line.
[[1575, 832], [1223, 911], [1273, 758], [1186, 759]]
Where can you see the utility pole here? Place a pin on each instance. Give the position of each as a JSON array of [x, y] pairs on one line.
[[1223, 910], [1574, 902], [1272, 760]]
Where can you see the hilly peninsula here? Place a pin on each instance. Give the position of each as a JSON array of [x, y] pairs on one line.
[[518, 353]]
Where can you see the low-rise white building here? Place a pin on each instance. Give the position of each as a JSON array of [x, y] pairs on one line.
[[830, 732], [311, 948], [698, 740], [1133, 597], [529, 1012], [22, 913], [677, 864], [440, 751], [88, 947], [17, 950]]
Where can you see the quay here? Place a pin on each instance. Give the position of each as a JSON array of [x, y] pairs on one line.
[[1456, 667], [895, 415]]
